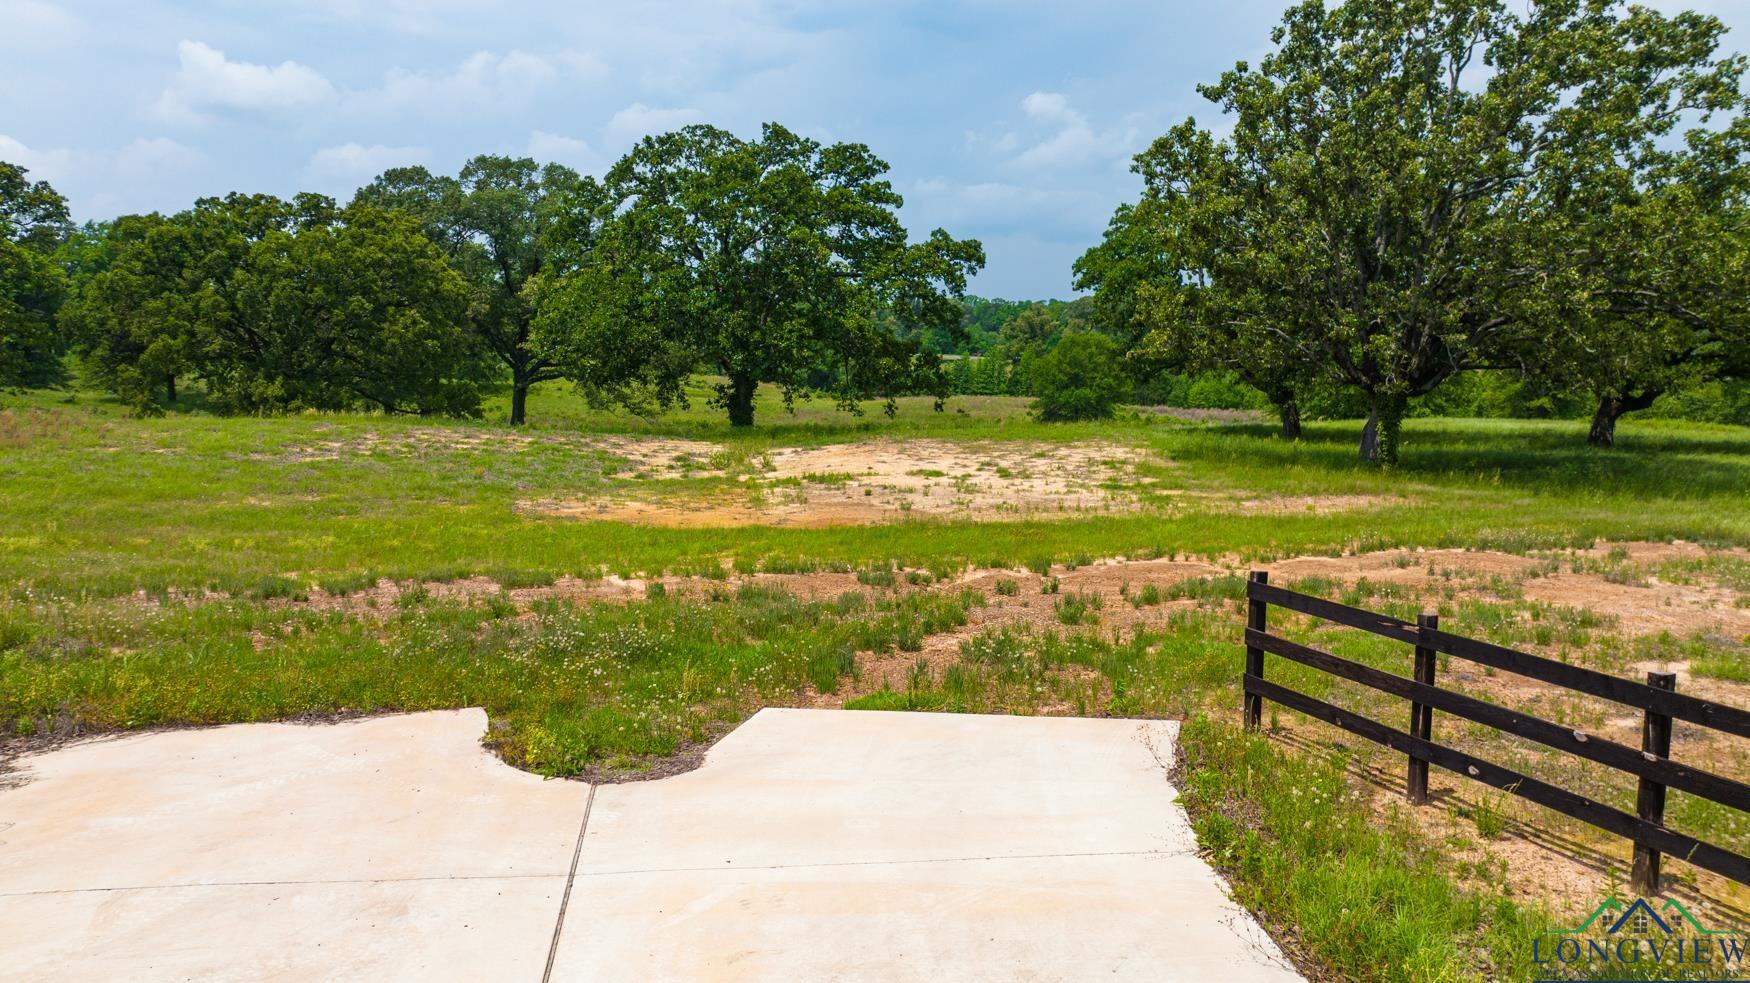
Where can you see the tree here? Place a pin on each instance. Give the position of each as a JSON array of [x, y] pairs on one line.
[[165, 305], [1173, 315], [1364, 217], [762, 259], [1080, 378], [504, 223], [32, 214], [133, 323], [33, 223], [1657, 296], [360, 311], [280, 305]]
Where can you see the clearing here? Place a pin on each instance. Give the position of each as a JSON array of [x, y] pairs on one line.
[[619, 594]]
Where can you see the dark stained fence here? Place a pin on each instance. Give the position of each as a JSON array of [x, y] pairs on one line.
[[1657, 699]]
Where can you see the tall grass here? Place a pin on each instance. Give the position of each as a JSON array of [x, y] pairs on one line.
[[573, 690]]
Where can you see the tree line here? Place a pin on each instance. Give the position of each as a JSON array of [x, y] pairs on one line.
[[777, 260], [1405, 194], [1413, 190]]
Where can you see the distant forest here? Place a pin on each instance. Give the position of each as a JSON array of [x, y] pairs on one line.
[[997, 337]]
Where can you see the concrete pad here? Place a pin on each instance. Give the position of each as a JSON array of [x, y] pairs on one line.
[[824, 786], [819, 844], [1155, 917], [371, 847], [811, 845], [481, 929]]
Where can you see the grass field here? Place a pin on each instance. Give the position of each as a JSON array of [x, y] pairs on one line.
[[617, 592]]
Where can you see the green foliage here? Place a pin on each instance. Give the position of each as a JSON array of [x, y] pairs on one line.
[[505, 223], [1220, 390], [1719, 401], [279, 306], [1079, 379], [983, 320], [360, 312], [1408, 188], [33, 223], [137, 321], [762, 259]]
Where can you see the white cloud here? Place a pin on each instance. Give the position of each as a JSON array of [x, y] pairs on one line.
[[49, 165], [1051, 107], [581, 64], [31, 24], [484, 79], [148, 158], [207, 80], [344, 167], [638, 120], [1005, 208], [1065, 137], [544, 146]]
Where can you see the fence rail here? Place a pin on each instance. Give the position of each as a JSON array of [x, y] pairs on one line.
[[1651, 763]]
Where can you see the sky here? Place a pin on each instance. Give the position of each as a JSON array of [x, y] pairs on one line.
[[1008, 121]]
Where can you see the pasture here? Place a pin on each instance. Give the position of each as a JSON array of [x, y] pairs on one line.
[[618, 592]]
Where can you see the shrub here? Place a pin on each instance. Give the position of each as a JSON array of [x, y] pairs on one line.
[[1081, 378]]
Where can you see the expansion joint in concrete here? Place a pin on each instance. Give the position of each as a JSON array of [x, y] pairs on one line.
[[565, 899]]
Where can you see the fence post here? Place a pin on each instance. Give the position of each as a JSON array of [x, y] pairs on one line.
[[1650, 801], [1421, 715], [1255, 656]]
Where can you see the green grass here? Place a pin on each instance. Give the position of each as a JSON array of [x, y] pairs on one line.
[[101, 504], [571, 691], [225, 525], [1371, 899]]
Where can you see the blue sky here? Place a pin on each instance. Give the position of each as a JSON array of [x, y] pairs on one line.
[[1012, 122]]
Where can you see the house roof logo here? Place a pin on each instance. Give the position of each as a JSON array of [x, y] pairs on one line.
[[1619, 937], [1641, 919]]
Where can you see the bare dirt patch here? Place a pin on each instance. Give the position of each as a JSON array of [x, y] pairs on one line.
[[1405, 566], [1654, 607], [653, 457], [1639, 601], [881, 481]]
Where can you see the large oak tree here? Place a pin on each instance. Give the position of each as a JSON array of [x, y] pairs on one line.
[[1367, 218], [500, 222], [280, 305], [775, 260]]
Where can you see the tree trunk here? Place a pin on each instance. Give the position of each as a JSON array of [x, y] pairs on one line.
[[1289, 411], [1380, 437], [740, 400], [519, 396], [1611, 409], [170, 389]]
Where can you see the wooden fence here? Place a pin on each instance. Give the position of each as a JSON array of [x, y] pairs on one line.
[[1651, 762]]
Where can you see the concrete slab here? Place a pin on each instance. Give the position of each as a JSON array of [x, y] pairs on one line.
[[1155, 917], [823, 786], [819, 844], [393, 847], [811, 845], [481, 929]]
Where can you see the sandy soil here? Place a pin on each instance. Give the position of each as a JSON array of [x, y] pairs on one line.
[[653, 457], [888, 480], [878, 481]]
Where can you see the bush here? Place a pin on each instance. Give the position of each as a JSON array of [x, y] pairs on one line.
[[1081, 378]]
